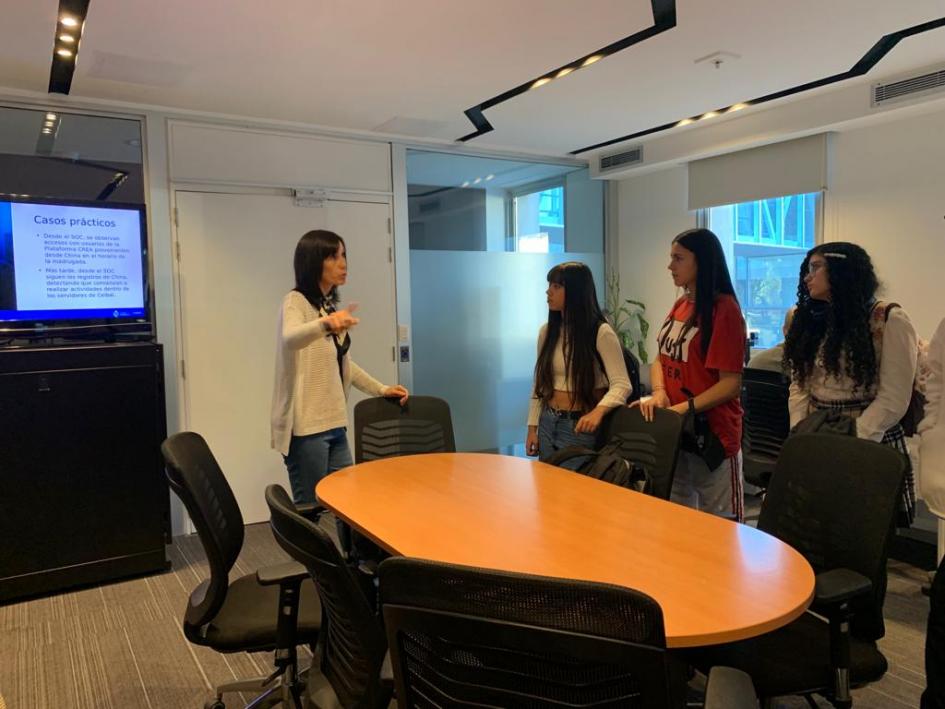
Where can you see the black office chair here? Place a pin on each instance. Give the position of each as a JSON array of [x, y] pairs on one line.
[[766, 423], [275, 608], [654, 444], [467, 637], [833, 498], [352, 641], [383, 428]]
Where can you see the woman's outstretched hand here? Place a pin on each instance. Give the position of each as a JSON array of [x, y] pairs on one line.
[[396, 392], [340, 320]]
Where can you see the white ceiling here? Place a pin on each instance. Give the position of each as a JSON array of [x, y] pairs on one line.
[[413, 67]]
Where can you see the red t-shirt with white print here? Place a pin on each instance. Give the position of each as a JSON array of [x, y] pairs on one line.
[[685, 367]]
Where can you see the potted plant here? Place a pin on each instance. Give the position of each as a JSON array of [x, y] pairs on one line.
[[626, 317]]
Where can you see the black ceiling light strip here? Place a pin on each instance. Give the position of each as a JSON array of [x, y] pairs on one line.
[[69, 24], [866, 62], [664, 18]]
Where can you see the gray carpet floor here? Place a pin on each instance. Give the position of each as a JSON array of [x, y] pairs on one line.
[[121, 645]]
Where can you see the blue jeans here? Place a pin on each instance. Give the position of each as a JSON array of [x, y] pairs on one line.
[[313, 457], [557, 432]]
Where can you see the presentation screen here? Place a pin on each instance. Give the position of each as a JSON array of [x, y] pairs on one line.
[[72, 264]]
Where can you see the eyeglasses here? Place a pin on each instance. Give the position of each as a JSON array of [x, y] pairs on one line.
[[814, 266]]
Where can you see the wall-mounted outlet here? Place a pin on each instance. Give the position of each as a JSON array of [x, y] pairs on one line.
[[405, 353]]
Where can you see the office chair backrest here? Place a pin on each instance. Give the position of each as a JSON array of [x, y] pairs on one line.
[[833, 499], [352, 641], [196, 478], [467, 637], [654, 443], [766, 422], [383, 428]]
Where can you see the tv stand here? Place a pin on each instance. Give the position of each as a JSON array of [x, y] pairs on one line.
[[83, 498]]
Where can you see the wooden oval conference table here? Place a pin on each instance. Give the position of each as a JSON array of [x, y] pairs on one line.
[[717, 581]]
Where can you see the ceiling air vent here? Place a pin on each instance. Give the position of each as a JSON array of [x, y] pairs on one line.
[[908, 87], [627, 157]]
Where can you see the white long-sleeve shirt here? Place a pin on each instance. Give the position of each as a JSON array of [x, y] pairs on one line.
[[613, 377], [932, 428], [897, 364], [309, 396]]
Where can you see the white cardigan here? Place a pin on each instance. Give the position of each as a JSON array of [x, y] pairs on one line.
[[897, 364], [932, 429], [308, 395]]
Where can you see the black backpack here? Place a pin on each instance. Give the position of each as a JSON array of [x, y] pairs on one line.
[[608, 465]]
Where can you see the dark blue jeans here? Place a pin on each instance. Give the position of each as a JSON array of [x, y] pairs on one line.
[[556, 432], [313, 457]]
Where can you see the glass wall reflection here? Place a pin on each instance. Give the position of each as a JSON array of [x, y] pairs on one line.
[[483, 234]]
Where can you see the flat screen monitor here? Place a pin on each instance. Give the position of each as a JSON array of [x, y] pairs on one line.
[[69, 267]]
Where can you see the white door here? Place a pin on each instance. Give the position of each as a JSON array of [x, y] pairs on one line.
[[235, 266]]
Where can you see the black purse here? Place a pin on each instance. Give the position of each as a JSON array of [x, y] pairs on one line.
[[699, 439]]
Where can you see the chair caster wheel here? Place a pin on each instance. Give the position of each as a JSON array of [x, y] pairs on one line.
[[215, 704]]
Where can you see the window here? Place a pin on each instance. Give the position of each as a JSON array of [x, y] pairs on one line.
[[538, 221], [765, 243]]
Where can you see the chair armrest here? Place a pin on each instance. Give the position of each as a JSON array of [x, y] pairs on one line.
[[281, 573], [728, 688], [568, 453], [838, 585]]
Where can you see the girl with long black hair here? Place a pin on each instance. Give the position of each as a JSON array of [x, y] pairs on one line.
[[580, 373], [313, 368], [701, 358], [851, 353]]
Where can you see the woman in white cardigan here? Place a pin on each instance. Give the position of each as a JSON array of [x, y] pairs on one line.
[[932, 430], [932, 482], [314, 371]]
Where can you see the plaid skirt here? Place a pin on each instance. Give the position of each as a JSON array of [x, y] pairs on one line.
[[895, 437]]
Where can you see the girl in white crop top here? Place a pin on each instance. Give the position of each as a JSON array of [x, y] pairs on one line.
[[580, 373]]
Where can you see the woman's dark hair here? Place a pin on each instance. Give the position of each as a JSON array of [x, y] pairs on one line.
[[310, 254], [579, 323], [841, 326], [712, 279]]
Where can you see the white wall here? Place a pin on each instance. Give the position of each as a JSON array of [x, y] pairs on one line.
[[651, 210], [885, 193]]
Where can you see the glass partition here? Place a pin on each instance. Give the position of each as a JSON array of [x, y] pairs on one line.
[[483, 234], [57, 155]]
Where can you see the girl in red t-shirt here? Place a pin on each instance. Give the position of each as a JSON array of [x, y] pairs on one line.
[[701, 357]]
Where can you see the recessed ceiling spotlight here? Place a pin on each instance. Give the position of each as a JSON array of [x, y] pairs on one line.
[[477, 180], [591, 59], [67, 38], [710, 114], [737, 107], [466, 183], [68, 21], [564, 72], [541, 82], [50, 116], [489, 177], [47, 130], [64, 52], [684, 122]]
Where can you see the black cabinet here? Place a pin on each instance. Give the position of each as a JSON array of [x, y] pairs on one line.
[[83, 496]]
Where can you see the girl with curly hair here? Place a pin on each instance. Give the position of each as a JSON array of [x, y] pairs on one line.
[[849, 352]]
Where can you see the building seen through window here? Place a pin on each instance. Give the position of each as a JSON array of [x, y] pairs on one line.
[[765, 243]]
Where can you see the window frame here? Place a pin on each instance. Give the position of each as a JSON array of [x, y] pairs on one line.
[[514, 193]]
